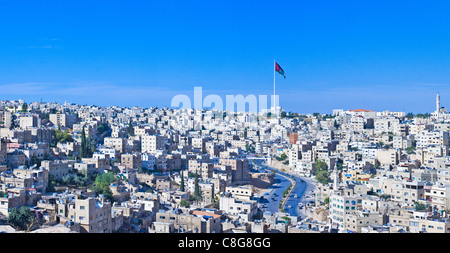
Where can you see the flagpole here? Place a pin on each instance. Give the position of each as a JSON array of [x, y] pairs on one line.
[[274, 62]]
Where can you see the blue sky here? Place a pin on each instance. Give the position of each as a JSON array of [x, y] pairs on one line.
[[379, 55]]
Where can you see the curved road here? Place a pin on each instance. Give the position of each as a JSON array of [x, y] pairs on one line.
[[303, 187]]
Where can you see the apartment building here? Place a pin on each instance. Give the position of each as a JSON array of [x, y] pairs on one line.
[[193, 222], [93, 214], [62, 119], [239, 169], [58, 168], [439, 196], [131, 160], [14, 197], [356, 221], [119, 144], [29, 121], [38, 175], [387, 157], [204, 170], [432, 138], [152, 143], [343, 202], [238, 207]]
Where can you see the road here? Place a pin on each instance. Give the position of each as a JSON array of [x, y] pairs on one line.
[[299, 194], [303, 187]]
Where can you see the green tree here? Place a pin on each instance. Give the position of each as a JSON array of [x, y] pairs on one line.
[[130, 129], [34, 160], [410, 115], [197, 190], [182, 182], [420, 207], [184, 203], [339, 164], [335, 124], [80, 180], [59, 136], [93, 147], [86, 146], [213, 197], [321, 165], [322, 175], [51, 184], [83, 144], [21, 218], [101, 185], [102, 128], [410, 150], [24, 107]]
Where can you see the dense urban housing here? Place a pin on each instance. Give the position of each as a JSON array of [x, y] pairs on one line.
[[88, 169]]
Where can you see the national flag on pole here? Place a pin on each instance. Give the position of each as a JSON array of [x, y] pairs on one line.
[[279, 70]]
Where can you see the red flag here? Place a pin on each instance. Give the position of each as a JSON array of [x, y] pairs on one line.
[[279, 70]]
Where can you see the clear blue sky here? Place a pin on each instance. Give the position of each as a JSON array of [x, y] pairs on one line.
[[379, 55]]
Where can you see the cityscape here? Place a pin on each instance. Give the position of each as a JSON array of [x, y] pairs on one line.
[[69, 168], [224, 124]]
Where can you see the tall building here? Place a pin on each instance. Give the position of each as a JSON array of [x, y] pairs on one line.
[[438, 103], [152, 143], [62, 119]]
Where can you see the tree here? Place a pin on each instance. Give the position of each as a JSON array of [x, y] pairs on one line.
[[335, 124], [420, 207], [130, 129], [213, 197], [101, 128], [197, 190], [93, 147], [182, 182], [101, 185], [86, 149], [184, 203], [339, 164], [51, 184], [410, 115], [21, 218], [34, 160], [59, 136], [80, 179], [410, 150], [83, 144], [322, 175], [24, 107]]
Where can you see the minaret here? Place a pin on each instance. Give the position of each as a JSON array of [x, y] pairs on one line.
[[335, 184], [438, 103]]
